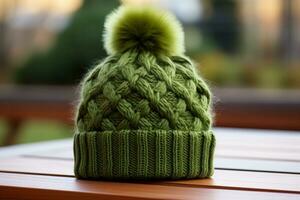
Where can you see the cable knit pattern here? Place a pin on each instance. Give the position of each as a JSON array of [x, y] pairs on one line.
[[140, 91], [144, 115]]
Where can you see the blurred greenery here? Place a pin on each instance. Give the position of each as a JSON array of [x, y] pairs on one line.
[[38, 130], [75, 50], [214, 44], [233, 71], [222, 25], [3, 130]]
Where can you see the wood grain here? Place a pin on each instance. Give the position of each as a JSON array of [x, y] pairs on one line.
[[258, 144], [20, 186], [224, 179], [244, 149], [28, 165], [45, 171], [231, 143]]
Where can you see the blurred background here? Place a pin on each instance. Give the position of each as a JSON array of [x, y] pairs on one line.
[[248, 51]]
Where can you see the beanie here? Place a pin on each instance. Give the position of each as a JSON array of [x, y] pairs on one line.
[[144, 112]]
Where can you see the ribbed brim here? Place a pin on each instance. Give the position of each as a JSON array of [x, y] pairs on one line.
[[144, 154]]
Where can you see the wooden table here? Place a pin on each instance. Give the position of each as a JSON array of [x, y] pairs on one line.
[[250, 164]]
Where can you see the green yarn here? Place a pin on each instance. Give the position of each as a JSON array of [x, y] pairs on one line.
[[144, 115], [141, 91], [142, 29], [144, 154]]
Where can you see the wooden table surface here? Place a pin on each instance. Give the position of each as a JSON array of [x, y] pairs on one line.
[[250, 164]]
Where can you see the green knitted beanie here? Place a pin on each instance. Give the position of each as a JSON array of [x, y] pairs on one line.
[[144, 113]]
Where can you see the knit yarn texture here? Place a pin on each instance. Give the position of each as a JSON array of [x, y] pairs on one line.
[[144, 115]]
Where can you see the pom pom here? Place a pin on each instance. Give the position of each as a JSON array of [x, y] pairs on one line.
[[143, 29]]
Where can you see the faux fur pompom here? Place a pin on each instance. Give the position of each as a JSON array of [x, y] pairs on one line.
[[143, 29]]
